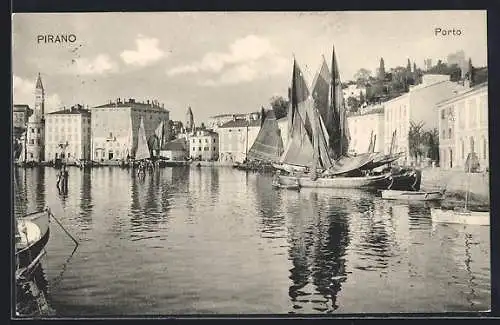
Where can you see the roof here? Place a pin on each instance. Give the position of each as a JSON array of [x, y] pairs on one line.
[[176, 145], [464, 93], [39, 82], [72, 111], [132, 104], [233, 114], [240, 123], [21, 107]]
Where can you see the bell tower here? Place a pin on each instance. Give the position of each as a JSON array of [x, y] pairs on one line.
[[36, 126]]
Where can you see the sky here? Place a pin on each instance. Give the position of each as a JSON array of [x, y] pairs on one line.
[[220, 62]]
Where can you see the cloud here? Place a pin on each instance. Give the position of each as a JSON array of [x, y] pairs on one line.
[[101, 64], [24, 93], [247, 72], [146, 53], [247, 59]]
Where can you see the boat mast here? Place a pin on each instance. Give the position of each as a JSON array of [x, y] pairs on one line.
[[468, 181]]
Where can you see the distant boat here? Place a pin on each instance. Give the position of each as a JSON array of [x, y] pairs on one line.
[[32, 234], [142, 151], [412, 195], [462, 215], [277, 184]]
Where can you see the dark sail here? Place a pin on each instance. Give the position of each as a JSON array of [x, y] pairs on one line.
[[339, 139], [268, 146]]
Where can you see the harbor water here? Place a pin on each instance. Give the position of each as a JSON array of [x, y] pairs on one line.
[[222, 241]]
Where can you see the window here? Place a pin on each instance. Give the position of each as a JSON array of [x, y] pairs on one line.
[[199, 148], [214, 148], [194, 141], [32, 141], [31, 155], [213, 140], [442, 114], [69, 154], [199, 140], [32, 130], [194, 149], [449, 133], [206, 140]]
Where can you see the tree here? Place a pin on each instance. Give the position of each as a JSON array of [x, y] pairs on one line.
[[415, 140], [361, 98], [353, 104], [430, 140], [362, 76], [279, 106]]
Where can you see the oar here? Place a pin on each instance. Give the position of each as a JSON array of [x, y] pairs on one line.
[[60, 224]]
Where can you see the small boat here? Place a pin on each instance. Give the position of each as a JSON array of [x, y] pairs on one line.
[[335, 182], [32, 234], [412, 195], [294, 187], [461, 216]]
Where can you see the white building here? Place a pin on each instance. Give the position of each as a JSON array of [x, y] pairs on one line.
[[115, 127], [362, 126], [204, 145], [237, 136], [35, 142], [463, 127], [214, 122], [68, 134], [418, 105]]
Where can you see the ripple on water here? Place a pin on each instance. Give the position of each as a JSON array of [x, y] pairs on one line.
[[221, 241]]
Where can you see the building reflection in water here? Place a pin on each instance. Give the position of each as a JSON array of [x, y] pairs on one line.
[[149, 205], [86, 197], [268, 203], [319, 236]]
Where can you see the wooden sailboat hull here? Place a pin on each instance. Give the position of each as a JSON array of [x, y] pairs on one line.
[[38, 230], [460, 217], [412, 195], [336, 182]]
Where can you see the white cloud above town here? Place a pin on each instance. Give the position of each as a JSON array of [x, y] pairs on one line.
[[247, 59], [24, 93], [100, 64], [147, 52]]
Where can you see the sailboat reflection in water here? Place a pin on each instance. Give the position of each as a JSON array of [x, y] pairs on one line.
[[317, 252]]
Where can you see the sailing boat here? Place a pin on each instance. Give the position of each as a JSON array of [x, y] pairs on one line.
[[315, 151], [268, 146], [462, 215], [142, 151]]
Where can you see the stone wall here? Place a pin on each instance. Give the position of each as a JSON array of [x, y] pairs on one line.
[[456, 181]]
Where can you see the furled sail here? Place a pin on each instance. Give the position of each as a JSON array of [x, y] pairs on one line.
[[268, 146], [393, 142], [142, 151]]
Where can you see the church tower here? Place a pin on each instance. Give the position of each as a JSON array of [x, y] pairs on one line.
[[189, 120], [36, 126]]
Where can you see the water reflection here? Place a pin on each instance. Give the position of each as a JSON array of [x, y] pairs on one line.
[[319, 237]]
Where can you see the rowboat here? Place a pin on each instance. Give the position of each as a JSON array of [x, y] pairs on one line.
[[460, 216], [412, 195], [32, 234], [295, 187]]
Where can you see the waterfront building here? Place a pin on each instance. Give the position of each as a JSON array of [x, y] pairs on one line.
[[115, 127], [175, 150], [68, 134], [417, 105], [20, 116], [362, 126], [204, 145], [237, 136], [463, 127], [214, 122], [35, 142]]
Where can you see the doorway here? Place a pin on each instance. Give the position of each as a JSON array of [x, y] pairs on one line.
[[451, 158], [110, 155]]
